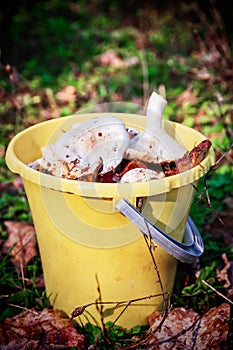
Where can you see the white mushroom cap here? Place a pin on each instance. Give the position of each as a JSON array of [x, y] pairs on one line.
[[141, 175], [87, 142]]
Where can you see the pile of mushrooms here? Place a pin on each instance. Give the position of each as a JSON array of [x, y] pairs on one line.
[[100, 149]]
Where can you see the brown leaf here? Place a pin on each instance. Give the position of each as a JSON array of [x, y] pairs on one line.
[[110, 58], [186, 96], [2, 151], [39, 282], [17, 183], [202, 74], [224, 272], [23, 237], [14, 185], [219, 230], [12, 74], [200, 115], [40, 330], [185, 329], [66, 95]]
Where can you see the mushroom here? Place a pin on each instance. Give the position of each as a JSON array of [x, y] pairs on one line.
[[154, 144], [141, 175], [93, 149], [81, 148]]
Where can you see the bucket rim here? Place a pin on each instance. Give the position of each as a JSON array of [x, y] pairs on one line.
[[105, 190]]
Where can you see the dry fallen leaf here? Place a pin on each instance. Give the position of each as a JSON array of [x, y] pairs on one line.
[[46, 329], [2, 151], [9, 187], [23, 238], [17, 183], [224, 272], [186, 96], [185, 329], [110, 58], [66, 95]]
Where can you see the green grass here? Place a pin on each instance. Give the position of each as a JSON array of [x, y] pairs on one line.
[[19, 289]]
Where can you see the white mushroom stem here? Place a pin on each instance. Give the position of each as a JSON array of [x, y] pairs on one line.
[[154, 142], [154, 112]]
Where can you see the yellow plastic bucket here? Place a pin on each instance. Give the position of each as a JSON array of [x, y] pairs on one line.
[[83, 238]]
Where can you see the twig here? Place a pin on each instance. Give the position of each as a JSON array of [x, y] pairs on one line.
[[217, 163], [100, 309], [151, 332], [150, 246], [22, 275], [79, 310], [22, 308], [145, 83], [156, 343], [209, 202], [217, 292], [207, 199]]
